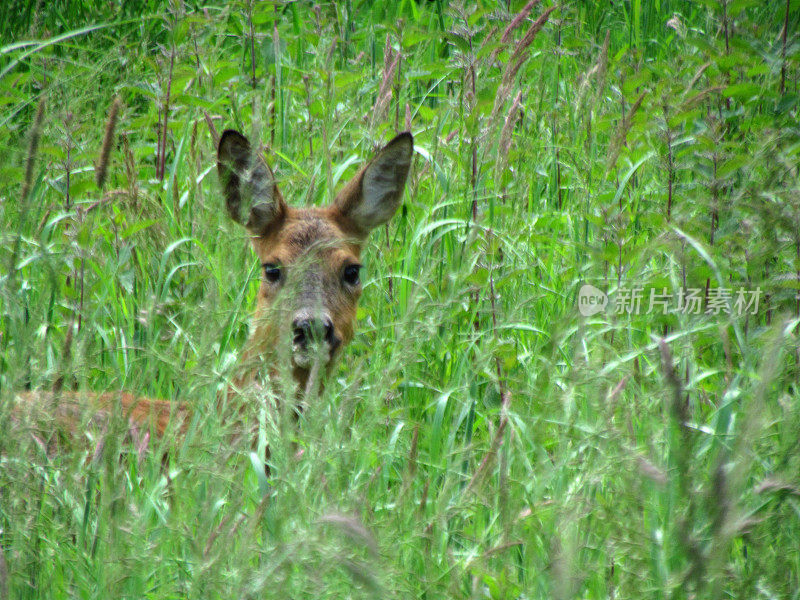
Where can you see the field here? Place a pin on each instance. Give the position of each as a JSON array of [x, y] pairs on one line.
[[490, 432]]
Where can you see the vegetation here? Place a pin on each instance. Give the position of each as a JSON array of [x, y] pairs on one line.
[[482, 438]]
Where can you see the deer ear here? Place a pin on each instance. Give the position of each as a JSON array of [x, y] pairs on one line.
[[372, 197], [251, 195]]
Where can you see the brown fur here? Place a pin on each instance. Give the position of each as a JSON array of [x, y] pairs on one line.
[[313, 246], [65, 419]]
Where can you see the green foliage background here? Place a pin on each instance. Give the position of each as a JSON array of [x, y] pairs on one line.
[[482, 439]]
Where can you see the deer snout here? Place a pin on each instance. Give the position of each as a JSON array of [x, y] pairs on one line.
[[308, 329], [305, 329]]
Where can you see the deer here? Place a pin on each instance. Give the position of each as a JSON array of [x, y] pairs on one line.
[[310, 280]]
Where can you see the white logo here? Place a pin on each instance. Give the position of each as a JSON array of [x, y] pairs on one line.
[[591, 300]]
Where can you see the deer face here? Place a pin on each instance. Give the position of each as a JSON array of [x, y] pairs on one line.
[[310, 283]]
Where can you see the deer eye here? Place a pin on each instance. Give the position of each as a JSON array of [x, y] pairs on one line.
[[272, 272], [350, 275]]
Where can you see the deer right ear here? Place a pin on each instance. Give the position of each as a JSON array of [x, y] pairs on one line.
[[373, 196], [251, 195]]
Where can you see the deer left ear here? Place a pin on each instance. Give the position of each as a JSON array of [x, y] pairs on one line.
[[372, 197], [251, 196]]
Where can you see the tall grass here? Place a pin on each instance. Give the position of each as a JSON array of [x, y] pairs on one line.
[[482, 438]]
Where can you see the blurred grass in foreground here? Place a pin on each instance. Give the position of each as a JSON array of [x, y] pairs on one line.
[[482, 438]]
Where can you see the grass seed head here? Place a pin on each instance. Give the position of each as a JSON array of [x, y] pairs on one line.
[[519, 18], [108, 139], [33, 148]]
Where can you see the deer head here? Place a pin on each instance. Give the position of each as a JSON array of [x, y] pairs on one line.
[[311, 279]]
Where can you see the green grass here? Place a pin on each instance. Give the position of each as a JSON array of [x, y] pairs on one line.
[[620, 466]]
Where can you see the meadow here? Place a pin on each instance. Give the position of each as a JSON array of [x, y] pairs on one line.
[[488, 433]]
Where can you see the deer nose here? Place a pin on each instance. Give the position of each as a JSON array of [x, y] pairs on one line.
[[320, 329]]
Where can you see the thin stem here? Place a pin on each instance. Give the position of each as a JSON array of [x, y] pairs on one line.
[[783, 49]]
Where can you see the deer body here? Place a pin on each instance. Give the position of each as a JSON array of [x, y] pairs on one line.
[[310, 283]]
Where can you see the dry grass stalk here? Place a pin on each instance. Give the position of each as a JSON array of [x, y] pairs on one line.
[[391, 61], [681, 447], [161, 159], [215, 534], [518, 58], [412, 453], [774, 485], [520, 54], [504, 146], [503, 547], [353, 529], [497, 441], [651, 471], [521, 16], [602, 64], [622, 134], [33, 148], [130, 171], [719, 497], [783, 49], [701, 96], [66, 356], [3, 577], [678, 406], [697, 77], [211, 128], [599, 69], [108, 138], [583, 86]]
